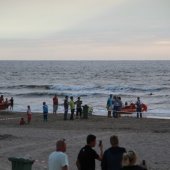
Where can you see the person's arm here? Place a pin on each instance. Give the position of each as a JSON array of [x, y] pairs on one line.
[[104, 162], [64, 162], [65, 167], [78, 164], [101, 153]]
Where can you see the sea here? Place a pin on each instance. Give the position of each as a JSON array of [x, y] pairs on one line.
[[33, 82]]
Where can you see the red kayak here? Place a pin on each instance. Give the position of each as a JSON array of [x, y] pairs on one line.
[[132, 108]]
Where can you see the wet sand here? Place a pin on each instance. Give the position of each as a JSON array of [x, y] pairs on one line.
[[150, 138]]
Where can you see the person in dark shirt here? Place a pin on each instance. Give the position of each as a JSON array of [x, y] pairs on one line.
[[78, 108], [129, 161], [66, 105], [86, 157], [11, 103], [112, 158], [139, 107]]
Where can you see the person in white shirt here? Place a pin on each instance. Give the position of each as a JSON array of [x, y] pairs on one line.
[[58, 160]]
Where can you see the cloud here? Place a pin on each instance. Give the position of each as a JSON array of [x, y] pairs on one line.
[[23, 18], [78, 29]]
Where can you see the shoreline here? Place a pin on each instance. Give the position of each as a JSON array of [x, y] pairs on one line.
[[133, 115]]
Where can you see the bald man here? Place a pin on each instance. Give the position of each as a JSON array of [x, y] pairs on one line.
[[58, 160]]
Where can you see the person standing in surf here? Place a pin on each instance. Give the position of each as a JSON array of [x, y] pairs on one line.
[[29, 114], [55, 104], [11, 103], [45, 112], [109, 105], [72, 107], [66, 105], [78, 108], [139, 107]]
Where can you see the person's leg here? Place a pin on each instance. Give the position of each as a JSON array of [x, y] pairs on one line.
[[28, 119], [109, 113], [77, 113], [137, 114], [65, 114], [56, 108], [140, 114], [116, 109], [71, 116], [113, 112], [80, 112]]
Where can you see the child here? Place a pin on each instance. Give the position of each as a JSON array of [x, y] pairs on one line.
[[45, 111], [29, 114], [22, 121]]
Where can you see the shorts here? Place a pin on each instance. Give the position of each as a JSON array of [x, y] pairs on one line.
[[55, 108]]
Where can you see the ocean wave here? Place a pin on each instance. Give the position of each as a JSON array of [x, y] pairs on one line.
[[60, 94], [136, 89], [74, 87], [27, 87], [59, 87]]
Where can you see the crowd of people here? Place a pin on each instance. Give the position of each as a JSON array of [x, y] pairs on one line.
[[114, 106], [72, 104], [113, 158]]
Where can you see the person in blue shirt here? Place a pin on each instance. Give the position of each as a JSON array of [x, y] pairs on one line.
[[139, 107], [112, 158], [45, 112], [109, 105]]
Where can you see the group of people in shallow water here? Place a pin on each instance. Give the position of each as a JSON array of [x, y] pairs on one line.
[[114, 106], [113, 158], [7, 102]]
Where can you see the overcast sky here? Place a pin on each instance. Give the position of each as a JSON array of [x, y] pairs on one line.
[[84, 29]]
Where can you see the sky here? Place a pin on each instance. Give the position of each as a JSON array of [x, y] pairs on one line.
[[85, 30]]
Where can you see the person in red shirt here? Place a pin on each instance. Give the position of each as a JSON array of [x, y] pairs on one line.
[[55, 104]]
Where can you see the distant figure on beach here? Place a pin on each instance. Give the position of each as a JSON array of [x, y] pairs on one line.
[[58, 160], [6, 101], [45, 112], [29, 114], [112, 158], [66, 105], [120, 103], [129, 161], [86, 157], [115, 106], [78, 108], [55, 104], [11, 103], [139, 107], [22, 121], [72, 108], [1, 99], [109, 105]]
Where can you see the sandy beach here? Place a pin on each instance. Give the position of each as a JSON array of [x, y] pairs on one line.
[[150, 138]]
